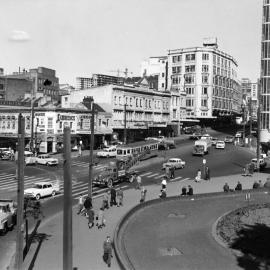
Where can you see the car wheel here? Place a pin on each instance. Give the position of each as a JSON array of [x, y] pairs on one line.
[[53, 193], [5, 229], [38, 197], [110, 183]]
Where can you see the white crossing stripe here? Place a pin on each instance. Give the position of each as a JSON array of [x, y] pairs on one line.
[[151, 175], [160, 176], [144, 174], [176, 178]]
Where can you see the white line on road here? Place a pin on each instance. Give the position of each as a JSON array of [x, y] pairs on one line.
[[144, 174], [151, 175]]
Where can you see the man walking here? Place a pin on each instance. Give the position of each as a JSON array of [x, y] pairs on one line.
[[107, 248], [207, 173], [172, 172], [143, 194], [80, 204], [113, 196], [139, 181]]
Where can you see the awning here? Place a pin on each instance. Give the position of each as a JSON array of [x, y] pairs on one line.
[[103, 130]]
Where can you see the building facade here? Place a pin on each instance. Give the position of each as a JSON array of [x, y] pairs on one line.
[[146, 110], [204, 80], [49, 124], [83, 83], [265, 73]]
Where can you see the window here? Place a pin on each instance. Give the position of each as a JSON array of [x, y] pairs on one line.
[[176, 69], [205, 68], [190, 68], [190, 57], [204, 78], [204, 90], [204, 102], [137, 102], [141, 103], [130, 102], [174, 113], [162, 85], [50, 122], [60, 125], [163, 74], [189, 102], [177, 58], [1, 86], [205, 56], [70, 124], [119, 99], [115, 101], [189, 79], [190, 90]]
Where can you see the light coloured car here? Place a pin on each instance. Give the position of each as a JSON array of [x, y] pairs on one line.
[[177, 163], [42, 189], [220, 145], [107, 152], [29, 158], [261, 161], [45, 159]]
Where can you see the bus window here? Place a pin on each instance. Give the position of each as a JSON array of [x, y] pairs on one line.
[[119, 151]]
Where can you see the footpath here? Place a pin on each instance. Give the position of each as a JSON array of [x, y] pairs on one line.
[[46, 252]]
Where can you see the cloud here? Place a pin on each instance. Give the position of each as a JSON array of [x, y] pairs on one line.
[[19, 36]]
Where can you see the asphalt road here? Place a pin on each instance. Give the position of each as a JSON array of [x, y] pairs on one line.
[[221, 163]]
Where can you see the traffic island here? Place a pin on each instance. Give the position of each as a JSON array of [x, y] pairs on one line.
[[246, 231], [176, 232]]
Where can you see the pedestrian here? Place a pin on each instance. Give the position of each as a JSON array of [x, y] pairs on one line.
[[164, 183], [167, 171], [238, 186], [226, 187], [255, 185], [139, 181], [198, 177], [184, 191], [260, 184], [246, 170], [190, 190], [120, 196], [172, 172], [100, 219], [251, 168], [107, 249], [105, 200], [143, 194], [80, 150], [91, 218], [113, 197], [207, 173], [163, 194], [80, 204], [87, 205]]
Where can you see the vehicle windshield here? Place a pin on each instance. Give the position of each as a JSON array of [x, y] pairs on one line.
[[172, 160], [38, 186]]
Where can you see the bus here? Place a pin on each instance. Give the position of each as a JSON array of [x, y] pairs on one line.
[[127, 151]]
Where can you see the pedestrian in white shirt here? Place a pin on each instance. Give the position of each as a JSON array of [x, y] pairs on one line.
[[163, 183]]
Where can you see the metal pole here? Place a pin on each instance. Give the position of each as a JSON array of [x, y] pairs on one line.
[[250, 121], [92, 138], [20, 194], [259, 126], [125, 124], [32, 118], [244, 126], [67, 215]]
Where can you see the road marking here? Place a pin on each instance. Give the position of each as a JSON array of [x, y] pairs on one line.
[[155, 174], [144, 174], [160, 176]]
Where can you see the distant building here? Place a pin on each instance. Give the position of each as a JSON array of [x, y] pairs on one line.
[[156, 66], [83, 83]]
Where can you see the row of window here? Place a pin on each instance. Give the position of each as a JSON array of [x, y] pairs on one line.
[[141, 103], [221, 72], [219, 92], [12, 124], [222, 104], [220, 61], [189, 68], [189, 57]]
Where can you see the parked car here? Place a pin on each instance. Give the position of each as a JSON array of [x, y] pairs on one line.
[[262, 163], [42, 189], [107, 152], [45, 159], [8, 214], [214, 141], [229, 139], [220, 145], [177, 163]]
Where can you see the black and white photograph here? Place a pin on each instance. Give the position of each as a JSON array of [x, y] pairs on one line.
[[135, 135]]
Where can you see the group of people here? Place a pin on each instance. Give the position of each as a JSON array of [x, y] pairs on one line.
[[238, 187], [198, 177], [187, 191], [249, 169]]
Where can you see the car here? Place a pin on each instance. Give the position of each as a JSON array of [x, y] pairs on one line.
[[229, 139], [8, 214], [262, 163], [42, 189], [238, 134], [220, 145], [214, 141], [206, 137], [195, 136], [29, 158], [45, 159], [107, 152], [177, 163]]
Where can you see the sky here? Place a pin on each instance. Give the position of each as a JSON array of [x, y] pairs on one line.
[[81, 37]]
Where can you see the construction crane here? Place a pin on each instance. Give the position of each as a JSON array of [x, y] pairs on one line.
[[118, 72]]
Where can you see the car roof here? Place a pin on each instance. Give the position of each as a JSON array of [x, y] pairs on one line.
[[220, 141], [174, 159], [43, 183]]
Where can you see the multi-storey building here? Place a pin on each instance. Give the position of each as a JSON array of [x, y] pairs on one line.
[[156, 66], [204, 81], [83, 83], [147, 111], [265, 73], [37, 82]]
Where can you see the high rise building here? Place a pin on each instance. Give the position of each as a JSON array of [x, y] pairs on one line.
[[265, 73], [83, 83]]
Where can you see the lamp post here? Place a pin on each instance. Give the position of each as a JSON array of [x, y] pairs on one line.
[[244, 123]]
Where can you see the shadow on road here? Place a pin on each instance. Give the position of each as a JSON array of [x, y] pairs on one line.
[[38, 238], [253, 243]]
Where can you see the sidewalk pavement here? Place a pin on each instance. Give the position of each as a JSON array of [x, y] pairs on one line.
[[88, 243]]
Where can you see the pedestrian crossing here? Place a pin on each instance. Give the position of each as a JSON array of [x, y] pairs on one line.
[[9, 183], [86, 165]]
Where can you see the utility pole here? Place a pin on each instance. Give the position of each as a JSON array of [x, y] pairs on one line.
[[259, 126], [67, 215], [244, 126], [250, 121], [92, 138], [125, 124], [32, 116], [20, 194]]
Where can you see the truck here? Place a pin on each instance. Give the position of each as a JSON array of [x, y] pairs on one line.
[[116, 171], [42, 189], [8, 215], [201, 147], [167, 144]]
